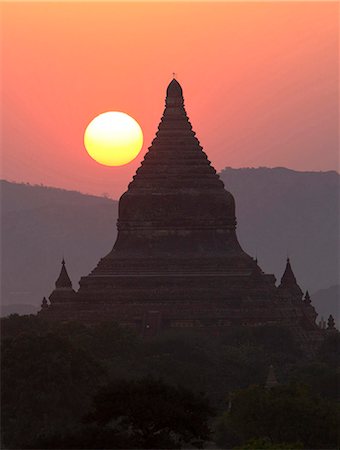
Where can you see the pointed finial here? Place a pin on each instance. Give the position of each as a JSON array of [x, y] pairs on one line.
[[330, 323], [44, 303], [307, 299], [63, 280], [289, 283], [173, 75], [288, 275]]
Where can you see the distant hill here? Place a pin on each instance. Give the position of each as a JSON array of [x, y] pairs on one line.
[[39, 226], [22, 310], [279, 211], [327, 301]]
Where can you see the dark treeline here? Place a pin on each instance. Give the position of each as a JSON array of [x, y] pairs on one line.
[[68, 385]]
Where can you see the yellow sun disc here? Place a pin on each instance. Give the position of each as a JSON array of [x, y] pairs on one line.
[[113, 138]]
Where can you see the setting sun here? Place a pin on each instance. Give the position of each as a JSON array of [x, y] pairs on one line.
[[113, 138]]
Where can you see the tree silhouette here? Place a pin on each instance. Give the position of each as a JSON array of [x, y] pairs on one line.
[[282, 414], [148, 413]]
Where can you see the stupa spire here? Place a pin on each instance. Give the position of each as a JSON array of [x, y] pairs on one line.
[[174, 94], [176, 192], [288, 281], [288, 277], [330, 323], [44, 303], [63, 281], [175, 153], [307, 299]]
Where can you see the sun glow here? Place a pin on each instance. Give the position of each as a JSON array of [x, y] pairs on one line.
[[113, 138]]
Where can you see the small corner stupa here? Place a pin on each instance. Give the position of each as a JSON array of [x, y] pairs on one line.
[[177, 262]]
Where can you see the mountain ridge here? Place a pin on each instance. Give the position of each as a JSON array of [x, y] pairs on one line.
[[279, 211]]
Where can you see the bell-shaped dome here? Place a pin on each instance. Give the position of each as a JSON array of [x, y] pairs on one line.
[[174, 95]]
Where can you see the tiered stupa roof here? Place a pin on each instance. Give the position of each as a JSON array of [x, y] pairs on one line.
[[63, 291], [175, 192]]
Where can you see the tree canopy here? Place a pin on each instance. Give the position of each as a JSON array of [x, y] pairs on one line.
[[51, 372], [152, 414], [283, 414]]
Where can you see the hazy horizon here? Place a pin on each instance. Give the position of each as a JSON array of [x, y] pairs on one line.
[[260, 83], [107, 194]]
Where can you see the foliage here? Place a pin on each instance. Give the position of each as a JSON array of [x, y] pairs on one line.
[[153, 414], [46, 383], [329, 351], [142, 413], [282, 414], [321, 378], [51, 370], [265, 444]]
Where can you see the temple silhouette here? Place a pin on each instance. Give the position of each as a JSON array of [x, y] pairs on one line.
[[177, 262]]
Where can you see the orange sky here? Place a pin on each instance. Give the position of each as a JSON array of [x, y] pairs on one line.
[[260, 82]]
